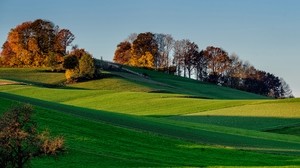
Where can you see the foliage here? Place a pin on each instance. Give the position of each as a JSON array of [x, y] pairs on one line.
[[72, 74], [71, 62], [20, 140], [79, 64], [86, 66], [35, 44], [212, 65], [123, 53]]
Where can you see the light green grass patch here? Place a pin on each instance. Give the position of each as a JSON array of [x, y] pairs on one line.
[[96, 144]]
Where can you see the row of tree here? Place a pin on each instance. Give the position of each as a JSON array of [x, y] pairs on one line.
[[41, 43], [213, 64]]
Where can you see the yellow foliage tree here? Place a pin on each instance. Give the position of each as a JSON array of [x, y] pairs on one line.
[[146, 60]]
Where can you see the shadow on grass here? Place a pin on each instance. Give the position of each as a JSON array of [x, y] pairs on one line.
[[244, 122], [162, 127]]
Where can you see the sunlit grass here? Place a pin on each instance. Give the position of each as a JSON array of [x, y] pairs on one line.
[[32, 76], [97, 144], [149, 124]]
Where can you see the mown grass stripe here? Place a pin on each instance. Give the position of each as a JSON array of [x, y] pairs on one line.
[[147, 124]]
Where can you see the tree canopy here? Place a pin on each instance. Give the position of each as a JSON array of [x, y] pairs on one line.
[[213, 64], [35, 44], [43, 44]]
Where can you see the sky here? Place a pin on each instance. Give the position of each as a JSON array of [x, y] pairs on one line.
[[264, 32]]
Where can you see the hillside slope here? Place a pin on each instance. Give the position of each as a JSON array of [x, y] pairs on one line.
[[97, 144], [159, 120], [124, 81]]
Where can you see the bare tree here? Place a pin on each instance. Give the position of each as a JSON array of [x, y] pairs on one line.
[[201, 66], [131, 37], [165, 43], [190, 57], [179, 52], [285, 89]]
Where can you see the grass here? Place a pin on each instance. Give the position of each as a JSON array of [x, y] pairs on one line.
[[97, 144], [267, 115], [36, 76], [192, 87], [112, 83], [137, 103], [191, 131], [163, 121]]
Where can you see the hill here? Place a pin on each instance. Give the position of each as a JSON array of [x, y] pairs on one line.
[[126, 119]]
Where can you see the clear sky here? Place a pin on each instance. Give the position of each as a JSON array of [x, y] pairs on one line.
[[264, 32]]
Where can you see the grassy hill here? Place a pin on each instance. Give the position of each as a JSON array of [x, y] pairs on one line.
[[162, 120]]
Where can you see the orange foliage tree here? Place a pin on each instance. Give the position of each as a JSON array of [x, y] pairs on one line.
[[35, 44]]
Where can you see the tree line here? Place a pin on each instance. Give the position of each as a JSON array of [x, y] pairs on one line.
[[41, 43], [212, 64]]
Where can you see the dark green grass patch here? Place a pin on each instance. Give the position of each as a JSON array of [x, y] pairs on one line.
[[210, 134], [187, 86], [93, 143], [252, 123]]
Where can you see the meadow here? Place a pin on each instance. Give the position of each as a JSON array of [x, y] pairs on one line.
[[164, 121]]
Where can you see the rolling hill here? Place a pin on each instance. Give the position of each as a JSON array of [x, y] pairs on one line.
[[127, 120]]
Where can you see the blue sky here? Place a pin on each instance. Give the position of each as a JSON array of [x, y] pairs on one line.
[[264, 32]]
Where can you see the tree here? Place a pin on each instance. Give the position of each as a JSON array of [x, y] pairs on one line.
[[144, 42], [201, 66], [71, 62], [123, 53], [190, 57], [63, 39], [146, 61], [131, 37], [86, 66], [44, 33], [234, 72], [165, 44], [218, 62], [285, 90], [20, 140], [31, 43], [79, 64], [180, 49], [71, 65]]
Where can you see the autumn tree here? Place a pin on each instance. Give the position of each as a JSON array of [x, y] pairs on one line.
[[30, 44], [123, 53], [63, 39], [79, 64], [144, 42], [218, 62], [212, 64], [20, 140], [146, 60]]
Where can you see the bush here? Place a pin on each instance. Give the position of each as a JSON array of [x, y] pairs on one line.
[[20, 140]]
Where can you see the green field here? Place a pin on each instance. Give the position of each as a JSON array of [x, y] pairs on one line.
[[124, 120]]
